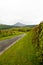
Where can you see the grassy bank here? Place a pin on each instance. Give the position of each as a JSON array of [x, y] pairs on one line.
[[22, 53]]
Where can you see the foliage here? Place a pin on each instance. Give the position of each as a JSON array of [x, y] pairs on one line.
[[8, 33], [12, 31], [37, 41]]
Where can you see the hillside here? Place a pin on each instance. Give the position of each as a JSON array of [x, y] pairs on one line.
[[2, 26]]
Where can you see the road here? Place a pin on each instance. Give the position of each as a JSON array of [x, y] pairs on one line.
[[5, 44]]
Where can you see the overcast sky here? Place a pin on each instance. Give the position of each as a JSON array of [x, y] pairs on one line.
[[24, 11]]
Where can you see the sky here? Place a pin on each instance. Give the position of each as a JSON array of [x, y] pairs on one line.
[[24, 11]]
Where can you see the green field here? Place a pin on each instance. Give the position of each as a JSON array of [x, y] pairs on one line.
[[22, 53]]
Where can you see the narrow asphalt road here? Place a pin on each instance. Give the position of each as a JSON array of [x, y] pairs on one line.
[[9, 42]]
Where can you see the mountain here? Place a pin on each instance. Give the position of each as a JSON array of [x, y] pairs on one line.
[[3, 26], [19, 24]]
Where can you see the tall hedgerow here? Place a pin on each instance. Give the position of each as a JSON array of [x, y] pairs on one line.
[[37, 41]]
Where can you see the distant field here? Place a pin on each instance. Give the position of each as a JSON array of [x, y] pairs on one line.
[[22, 53]]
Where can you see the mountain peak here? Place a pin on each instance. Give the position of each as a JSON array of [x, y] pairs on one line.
[[19, 24]]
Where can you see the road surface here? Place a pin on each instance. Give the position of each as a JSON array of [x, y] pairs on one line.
[[5, 44]]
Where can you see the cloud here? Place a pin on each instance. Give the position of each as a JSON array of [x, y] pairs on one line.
[[25, 11]]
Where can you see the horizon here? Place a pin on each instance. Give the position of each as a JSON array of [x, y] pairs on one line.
[[17, 23], [23, 11]]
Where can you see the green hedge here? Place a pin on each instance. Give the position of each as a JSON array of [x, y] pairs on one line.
[[37, 41]]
